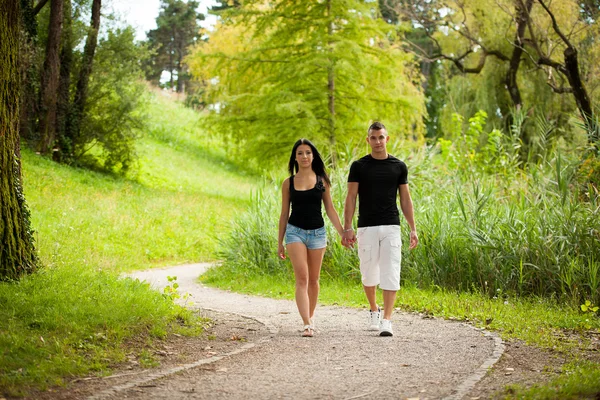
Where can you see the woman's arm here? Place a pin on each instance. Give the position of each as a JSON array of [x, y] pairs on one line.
[[349, 208], [331, 211], [284, 216]]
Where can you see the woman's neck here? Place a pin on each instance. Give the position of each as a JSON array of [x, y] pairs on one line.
[[305, 171]]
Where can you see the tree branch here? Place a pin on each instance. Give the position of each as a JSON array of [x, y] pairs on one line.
[[39, 6], [555, 25], [561, 89]]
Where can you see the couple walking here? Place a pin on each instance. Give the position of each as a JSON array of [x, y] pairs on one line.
[[375, 179]]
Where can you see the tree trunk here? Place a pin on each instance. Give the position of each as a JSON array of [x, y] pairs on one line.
[[581, 95], [515, 60], [30, 77], [66, 63], [17, 253], [50, 76], [74, 128], [331, 90]]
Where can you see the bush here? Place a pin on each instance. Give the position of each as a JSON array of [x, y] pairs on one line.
[[115, 111]]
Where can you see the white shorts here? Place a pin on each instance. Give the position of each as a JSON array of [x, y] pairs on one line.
[[379, 253]]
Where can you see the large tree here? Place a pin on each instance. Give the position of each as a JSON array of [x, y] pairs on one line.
[[17, 253], [177, 29], [317, 69]]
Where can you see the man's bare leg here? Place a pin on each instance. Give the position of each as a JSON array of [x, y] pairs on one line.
[[371, 292], [389, 299]]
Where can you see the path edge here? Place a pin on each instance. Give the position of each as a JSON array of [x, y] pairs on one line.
[[468, 384], [112, 391]]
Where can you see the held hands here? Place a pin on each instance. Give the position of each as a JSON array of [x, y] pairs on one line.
[[414, 239], [348, 238], [281, 251]]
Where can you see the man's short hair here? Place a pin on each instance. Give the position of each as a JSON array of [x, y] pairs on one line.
[[375, 126]]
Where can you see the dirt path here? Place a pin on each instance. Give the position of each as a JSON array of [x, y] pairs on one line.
[[426, 358]]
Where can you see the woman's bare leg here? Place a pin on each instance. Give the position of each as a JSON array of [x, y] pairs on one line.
[[315, 260], [299, 257]]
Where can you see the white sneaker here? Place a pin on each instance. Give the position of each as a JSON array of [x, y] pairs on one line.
[[386, 328], [374, 319]]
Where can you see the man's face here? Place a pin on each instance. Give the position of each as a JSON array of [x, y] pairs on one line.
[[378, 140]]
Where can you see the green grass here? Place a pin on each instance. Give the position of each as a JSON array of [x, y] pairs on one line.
[[69, 321], [579, 380], [76, 316], [170, 210]]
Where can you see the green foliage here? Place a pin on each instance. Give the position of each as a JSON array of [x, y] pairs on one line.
[[171, 292], [316, 69], [468, 149], [462, 29], [115, 111], [588, 307]]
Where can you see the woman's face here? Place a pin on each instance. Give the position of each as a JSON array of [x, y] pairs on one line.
[[304, 155]]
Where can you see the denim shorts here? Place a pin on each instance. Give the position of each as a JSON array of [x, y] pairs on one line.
[[312, 238]]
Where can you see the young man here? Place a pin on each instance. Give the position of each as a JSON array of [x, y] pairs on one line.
[[376, 179]]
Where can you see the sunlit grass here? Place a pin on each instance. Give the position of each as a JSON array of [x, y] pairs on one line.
[[170, 210]]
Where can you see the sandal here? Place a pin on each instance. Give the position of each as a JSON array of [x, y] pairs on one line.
[[307, 331]]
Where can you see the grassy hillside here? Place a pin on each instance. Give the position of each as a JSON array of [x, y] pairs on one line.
[[76, 315], [169, 210]]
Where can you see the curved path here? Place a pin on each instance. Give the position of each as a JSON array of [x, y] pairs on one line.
[[425, 359]]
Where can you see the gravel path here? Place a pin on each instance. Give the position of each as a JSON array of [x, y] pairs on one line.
[[425, 359]]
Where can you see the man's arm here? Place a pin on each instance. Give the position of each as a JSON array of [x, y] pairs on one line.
[[407, 209], [349, 237]]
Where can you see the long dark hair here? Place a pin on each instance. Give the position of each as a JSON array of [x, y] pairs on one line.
[[317, 164]]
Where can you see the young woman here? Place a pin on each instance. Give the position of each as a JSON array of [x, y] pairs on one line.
[[304, 229]]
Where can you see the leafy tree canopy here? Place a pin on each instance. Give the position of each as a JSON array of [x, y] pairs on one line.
[[177, 29], [318, 69]]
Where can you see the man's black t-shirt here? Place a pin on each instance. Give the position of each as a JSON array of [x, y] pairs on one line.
[[378, 182]]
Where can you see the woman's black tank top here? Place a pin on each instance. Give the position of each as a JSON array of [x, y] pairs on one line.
[[306, 206]]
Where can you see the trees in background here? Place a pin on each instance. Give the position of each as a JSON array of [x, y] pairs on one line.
[[317, 69], [75, 107], [512, 55], [17, 253], [177, 29]]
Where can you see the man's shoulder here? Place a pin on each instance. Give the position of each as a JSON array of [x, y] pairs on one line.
[[361, 161], [396, 161]]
